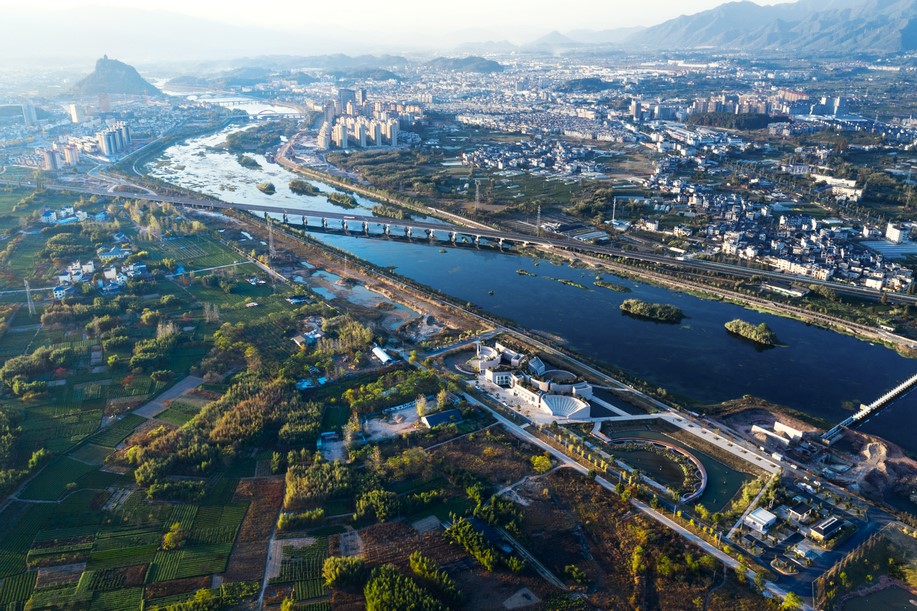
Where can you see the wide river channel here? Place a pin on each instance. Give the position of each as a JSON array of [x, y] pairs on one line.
[[815, 372]]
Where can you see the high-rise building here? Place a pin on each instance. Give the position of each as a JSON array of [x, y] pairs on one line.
[[49, 159], [29, 116], [71, 155], [324, 136], [339, 135], [361, 96], [376, 133], [76, 113], [108, 142], [360, 134], [329, 112], [125, 130], [345, 96]]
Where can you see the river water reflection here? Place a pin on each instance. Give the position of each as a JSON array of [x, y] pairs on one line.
[[816, 372]]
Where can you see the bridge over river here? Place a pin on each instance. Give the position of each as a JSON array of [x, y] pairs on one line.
[[867, 410], [476, 230]]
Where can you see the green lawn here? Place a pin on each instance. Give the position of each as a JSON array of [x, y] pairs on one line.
[[91, 454], [118, 431], [179, 412], [51, 483]]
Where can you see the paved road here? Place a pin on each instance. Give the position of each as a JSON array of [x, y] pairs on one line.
[[772, 588], [157, 405]]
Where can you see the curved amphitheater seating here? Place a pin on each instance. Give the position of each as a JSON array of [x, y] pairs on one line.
[[565, 407]]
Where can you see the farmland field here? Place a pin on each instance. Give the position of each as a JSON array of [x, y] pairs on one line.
[[52, 482]]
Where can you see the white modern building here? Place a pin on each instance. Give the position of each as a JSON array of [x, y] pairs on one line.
[[760, 520]]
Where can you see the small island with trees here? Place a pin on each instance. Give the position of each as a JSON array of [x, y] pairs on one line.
[[302, 187], [267, 187], [342, 199], [661, 312], [760, 334], [611, 286], [248, 162], [391, 212]]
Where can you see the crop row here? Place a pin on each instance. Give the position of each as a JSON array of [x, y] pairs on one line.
[[312, 588], [17, 588]]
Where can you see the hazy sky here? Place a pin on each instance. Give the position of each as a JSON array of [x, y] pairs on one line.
[[511, 16], [148, 31]]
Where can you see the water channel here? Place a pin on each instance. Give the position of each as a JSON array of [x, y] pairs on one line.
[[816, 372]]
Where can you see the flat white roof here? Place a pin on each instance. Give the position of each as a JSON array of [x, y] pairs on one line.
[[381, 355], [762, 516]]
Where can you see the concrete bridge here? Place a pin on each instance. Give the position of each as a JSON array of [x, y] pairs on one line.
[[395, 228], [867, 410]]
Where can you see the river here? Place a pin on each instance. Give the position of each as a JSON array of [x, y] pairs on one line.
[[815, 372]]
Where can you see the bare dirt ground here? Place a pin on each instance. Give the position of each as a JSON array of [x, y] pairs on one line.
[[59, 575], [400, 422], [880, 468], [742, 421]]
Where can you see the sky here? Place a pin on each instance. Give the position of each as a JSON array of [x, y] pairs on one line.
[[511, 16], [151, 31]]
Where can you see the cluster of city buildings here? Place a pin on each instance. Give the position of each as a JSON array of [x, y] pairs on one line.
[[352, 121], [771, 234], [556, 156]]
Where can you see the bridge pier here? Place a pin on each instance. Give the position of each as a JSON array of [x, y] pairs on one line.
[[477, 241], [452, 236], [324, 223], [409, 232], [431, 235], [286, 221], [366, 227], [344, 226], [387, 230]]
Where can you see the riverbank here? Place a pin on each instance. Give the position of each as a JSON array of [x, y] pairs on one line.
[[903, 346]]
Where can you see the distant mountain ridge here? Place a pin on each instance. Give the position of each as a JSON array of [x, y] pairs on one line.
[[112, 76], [472, 63], [807, 26]]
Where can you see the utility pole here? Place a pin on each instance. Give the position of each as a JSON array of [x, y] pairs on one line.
[[270, 233], [28, 298], [477, 194]]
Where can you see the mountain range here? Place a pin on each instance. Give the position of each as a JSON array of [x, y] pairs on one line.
[[803, 27], [811, 27], [807, 26]]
